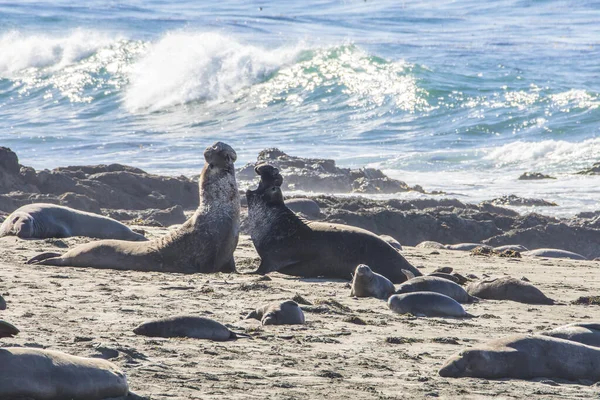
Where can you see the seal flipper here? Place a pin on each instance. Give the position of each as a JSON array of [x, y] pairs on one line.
[[44, 257], [229, 267]]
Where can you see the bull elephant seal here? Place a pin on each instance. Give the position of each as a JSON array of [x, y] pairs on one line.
[[437, 285], [285, 313], [554, 253], [392, 242], [579, 332], [187, 326], [294, 246], [526, 357], [52, 375], [367, 283], [508, 288], [41, 221], [7, 330], [427, 304], [204, 243]]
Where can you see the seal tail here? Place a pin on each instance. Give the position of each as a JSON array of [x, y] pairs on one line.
[[7, 330], [469, 315], [238, 335], [48, 258], [473, 299]]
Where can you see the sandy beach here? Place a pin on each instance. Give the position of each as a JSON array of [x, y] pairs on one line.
[[348, 347]]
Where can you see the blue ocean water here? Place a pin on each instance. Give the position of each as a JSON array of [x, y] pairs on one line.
[[461, 96]]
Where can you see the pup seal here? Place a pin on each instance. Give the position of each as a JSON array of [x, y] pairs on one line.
[[578, 332], [437, 285], [508, 288], [7, 330], [294, 246], [204, 243], [427, 304], [367, 283], [52, 375], [526, 357], [285, 313], [41, 221], [187, 326]]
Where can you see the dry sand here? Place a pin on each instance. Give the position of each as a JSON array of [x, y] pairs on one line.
[[92, 312]]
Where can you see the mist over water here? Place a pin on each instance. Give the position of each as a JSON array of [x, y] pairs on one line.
[[461, 97]]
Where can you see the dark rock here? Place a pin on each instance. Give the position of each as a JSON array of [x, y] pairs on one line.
[[531, 176], [79, 202], [304, 206], [594, 170], [168, 217], [513, 200]]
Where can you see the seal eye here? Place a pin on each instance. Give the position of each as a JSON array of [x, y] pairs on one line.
[[273, 189], [210, 166]]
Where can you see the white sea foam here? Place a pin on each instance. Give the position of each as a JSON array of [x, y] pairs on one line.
[[25, 51], [187, 66], [547, 155]]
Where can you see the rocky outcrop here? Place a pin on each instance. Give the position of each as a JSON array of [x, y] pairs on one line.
[[533, 176], [593, 170]]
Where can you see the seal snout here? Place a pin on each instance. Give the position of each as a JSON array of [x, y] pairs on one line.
[[363, 270], [269, 175], [220, 154]]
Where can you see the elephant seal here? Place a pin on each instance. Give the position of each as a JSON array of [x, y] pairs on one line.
[[554, 253], [7, 330], [437, 285], [466, 246], [284, 313], [392, 242], [41, 221], [53, 375], [578, 332], [526, 357], [204, 243], [2, 303], [428, 244], [427, 304], [367, 283], [508, 288], [513, 247], [308, 207], [187, 326], [293, 246]]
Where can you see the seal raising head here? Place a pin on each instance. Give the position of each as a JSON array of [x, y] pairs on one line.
[[291, 245], [204, 243]]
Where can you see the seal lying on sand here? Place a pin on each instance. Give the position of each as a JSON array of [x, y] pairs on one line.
[[187, 326], [508, 288], [554, 253], [41, 221], [7, 330], [285, 313], [294, 246], [52, 375], [437, 285], [579, 332], [2, 303], [427, 304], [526, 357], [367, 283], [204, 243]]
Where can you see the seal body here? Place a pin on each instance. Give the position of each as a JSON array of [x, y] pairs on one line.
[[513, 247], [426, 304], [284, 313], [437, 285], [41, 221], [2, 303], [392, 242], [186, 326], [428, 244], [465, 246], [508, 288], [7, 330], [52, 375], [293, 246], [588, 334], [526, 357], [367, 283], [204, 243], [554, 253]]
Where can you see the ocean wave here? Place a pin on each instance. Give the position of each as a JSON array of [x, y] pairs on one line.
[[183, 67], [22, 52], [546, 155]]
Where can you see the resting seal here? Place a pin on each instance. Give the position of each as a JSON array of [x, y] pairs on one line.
[[41, 221], [294, 246], [508, 288], [204, 243], [367, 283], [579, 332], [526, 357], [2, 303], [7, 330], [437, 285], [427, 304], [285, 313], [554, 253], [52, 375], [187, 326]]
